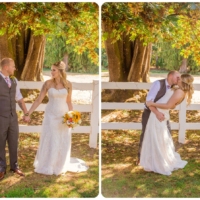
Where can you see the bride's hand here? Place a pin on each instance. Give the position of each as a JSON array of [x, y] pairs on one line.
[[149, 103]]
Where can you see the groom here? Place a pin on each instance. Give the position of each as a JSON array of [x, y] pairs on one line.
[[157, 90], [9, 94]]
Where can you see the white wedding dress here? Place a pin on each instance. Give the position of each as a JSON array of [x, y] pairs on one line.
[[158, 151], [53, 155]]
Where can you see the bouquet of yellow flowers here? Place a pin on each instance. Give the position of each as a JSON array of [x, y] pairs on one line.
[[72, 118]]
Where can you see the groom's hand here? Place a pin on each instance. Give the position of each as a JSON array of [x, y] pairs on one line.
[[160, 116]]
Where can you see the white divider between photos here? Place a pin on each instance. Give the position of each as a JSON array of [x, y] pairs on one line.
[[182, 125], [92, 108]]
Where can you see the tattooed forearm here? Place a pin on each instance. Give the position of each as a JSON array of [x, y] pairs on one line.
[[22, 105]]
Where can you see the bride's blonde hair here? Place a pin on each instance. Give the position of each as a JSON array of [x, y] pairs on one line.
[[62, 67], [187, 86]]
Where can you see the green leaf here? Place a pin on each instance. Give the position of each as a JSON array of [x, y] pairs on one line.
[[2, 31], [40, 10], [2, 6], [43, 20], [104, 36]]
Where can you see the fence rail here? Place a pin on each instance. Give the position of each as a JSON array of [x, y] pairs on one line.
[[182, 126], [92, 108]]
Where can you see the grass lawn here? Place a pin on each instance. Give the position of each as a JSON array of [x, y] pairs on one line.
[[84, 184], [121, 177]]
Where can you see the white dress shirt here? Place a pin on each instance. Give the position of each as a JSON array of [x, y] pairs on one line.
[[18, 94], [154, 90]]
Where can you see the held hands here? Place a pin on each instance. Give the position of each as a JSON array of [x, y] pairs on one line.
[[26, 118]]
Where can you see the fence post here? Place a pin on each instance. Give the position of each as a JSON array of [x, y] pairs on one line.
[[182, 122], [94, 122]]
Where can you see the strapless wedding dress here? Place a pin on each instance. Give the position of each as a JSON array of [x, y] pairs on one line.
[[158, 151], [53, 154]]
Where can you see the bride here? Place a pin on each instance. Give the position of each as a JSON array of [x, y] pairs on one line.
[[53, 154], [158, 151]]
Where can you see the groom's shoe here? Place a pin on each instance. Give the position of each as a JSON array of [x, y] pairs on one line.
[[17, 171], [2, 175]]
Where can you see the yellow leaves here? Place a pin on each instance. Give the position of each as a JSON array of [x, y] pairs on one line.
[[42, 18], [136, 8]]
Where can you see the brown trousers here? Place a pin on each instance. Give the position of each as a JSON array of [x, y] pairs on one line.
[[9, 132]]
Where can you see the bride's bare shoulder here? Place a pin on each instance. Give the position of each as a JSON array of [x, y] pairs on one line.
[[47, 84], [178, 90], [179, 93]]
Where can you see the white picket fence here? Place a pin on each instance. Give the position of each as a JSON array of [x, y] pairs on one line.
[[92, 108], [182, 126]]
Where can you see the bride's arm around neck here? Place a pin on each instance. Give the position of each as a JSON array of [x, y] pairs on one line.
[[175, 99]]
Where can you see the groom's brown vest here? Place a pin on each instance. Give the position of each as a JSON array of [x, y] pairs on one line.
[[147, 111], [7, 98], [161, 92]]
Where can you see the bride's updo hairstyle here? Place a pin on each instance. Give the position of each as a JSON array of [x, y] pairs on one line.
[[61, 67], [187, 86]]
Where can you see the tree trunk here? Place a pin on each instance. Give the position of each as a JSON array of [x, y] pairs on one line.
[[41, 61], [183, 67], [116, 54], [26, 50], [140, 62], [35, 59], [19, 52], [127, 61], [147, 60]]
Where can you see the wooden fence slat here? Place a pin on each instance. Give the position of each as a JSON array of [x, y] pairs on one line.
[[129, 126], [94, 115], [193, 126], [41, 107], [133, 85], [38, 85], [133, 106], [139, 106], [125, 86], [182, 122], [38, 129]]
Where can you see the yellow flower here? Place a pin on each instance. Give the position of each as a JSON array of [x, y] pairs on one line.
[[72, 118], [12, 77]]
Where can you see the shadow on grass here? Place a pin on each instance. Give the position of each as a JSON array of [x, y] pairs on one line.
[[84, 184], [122, 178]]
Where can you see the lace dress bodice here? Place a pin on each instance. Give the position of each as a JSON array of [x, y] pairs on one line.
[[57, 102]]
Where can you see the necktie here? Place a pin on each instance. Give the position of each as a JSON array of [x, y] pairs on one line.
[[8, 81], [168, 86]]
